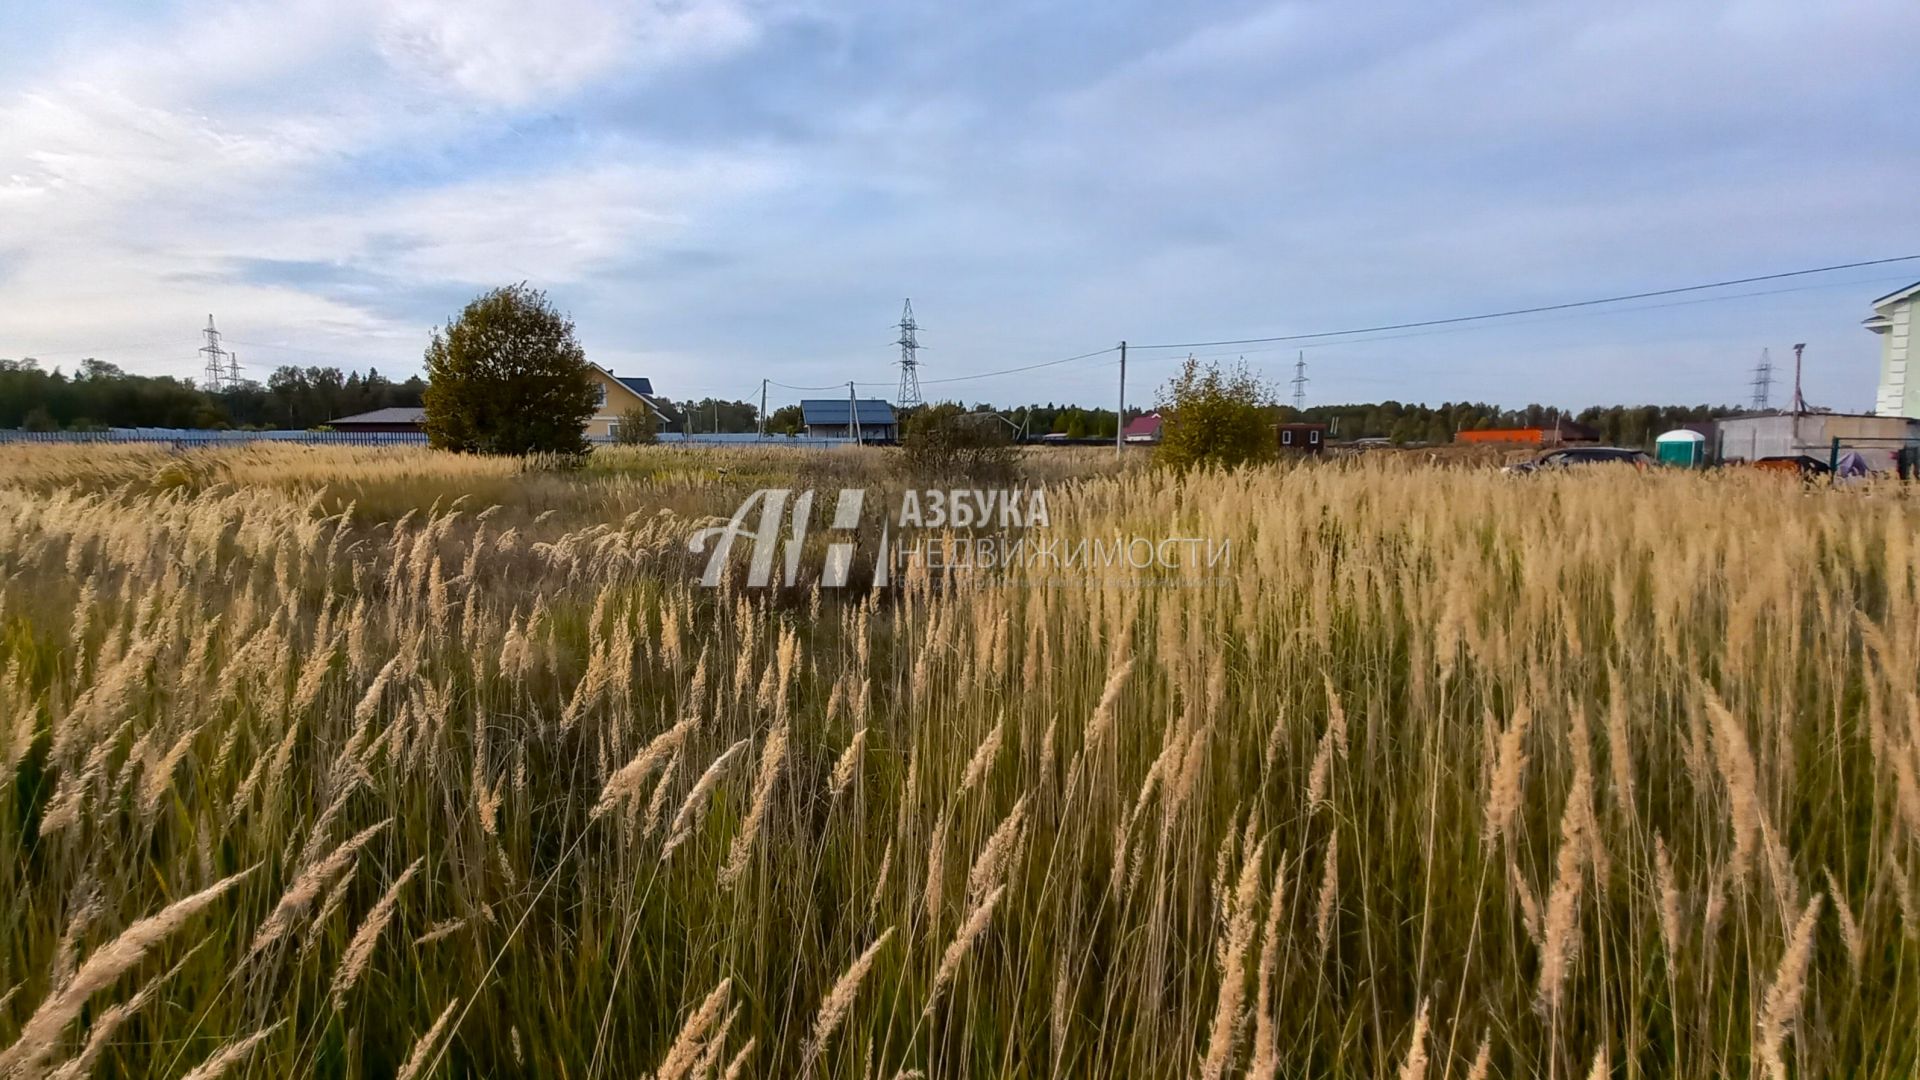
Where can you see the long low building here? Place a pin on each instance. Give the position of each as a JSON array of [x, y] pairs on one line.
[[1875, 438]]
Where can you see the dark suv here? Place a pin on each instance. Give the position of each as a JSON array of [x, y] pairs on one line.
[[1570, 456]]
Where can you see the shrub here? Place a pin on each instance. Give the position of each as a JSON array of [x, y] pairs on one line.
[[1212, 417], [945, 442], [508, 377], [638, 427]]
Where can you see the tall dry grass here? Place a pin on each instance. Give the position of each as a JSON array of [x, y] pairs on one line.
[[382, 763]]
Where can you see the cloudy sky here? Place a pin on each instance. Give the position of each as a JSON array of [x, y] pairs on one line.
[[722, 191]]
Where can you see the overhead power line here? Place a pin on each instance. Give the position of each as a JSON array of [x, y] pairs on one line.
[[1028, 367], [960, 378], [1534, 310], [1470, 328], [842, 386]]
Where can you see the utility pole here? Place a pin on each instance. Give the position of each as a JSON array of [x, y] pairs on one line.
[[763, 408], [853, 413], [1300, 383], [1120, 418], [1799, 402]]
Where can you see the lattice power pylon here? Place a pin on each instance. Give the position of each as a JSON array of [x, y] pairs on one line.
[[1762, 381], [219, 372], [908, 396]]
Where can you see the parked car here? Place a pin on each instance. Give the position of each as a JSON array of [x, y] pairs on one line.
[[1568, 457]]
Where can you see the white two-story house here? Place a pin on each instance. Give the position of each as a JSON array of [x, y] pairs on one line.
[[1893, 319]]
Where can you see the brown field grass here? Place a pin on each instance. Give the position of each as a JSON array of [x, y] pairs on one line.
[[387, 762]]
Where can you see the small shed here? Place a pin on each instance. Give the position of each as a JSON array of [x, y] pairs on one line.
[[1686, 449], [1303, 438]]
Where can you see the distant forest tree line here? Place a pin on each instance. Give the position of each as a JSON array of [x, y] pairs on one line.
[[100, 395], [1618, 425]]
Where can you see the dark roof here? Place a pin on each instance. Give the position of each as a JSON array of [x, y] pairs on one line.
[[1895, 293], [833, 412], [396, 415], [637, 383]]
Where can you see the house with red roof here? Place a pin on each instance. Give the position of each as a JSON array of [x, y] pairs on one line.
[[1142, 429]]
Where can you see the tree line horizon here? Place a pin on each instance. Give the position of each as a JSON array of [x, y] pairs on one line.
[[98, 395]]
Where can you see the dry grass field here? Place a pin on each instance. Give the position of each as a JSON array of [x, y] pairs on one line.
[[382, 762]]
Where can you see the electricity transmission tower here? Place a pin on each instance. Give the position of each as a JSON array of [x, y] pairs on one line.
[[1300, 383], [1762, 381], [221, 366], [908, 396]]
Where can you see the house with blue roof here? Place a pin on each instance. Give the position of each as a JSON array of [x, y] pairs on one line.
[[871, 419]]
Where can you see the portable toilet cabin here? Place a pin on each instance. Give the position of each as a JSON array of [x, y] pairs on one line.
[[1682, 448]]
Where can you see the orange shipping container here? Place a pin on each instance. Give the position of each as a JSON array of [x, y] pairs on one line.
[[1531, 436], [1567, 432]]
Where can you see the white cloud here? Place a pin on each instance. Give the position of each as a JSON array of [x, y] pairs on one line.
[[510, 52], [134, 188], [1230, 169], [554, 227]]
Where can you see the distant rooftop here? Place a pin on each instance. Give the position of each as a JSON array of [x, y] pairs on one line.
[[874, 412], [395, 415]]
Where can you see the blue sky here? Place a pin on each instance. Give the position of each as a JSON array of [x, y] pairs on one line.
[[722, 191]]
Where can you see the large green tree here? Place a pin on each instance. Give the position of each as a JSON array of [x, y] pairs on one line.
[[786, 420], [508, 377]]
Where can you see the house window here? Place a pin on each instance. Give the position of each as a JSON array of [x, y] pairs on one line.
[[1286, 438], [600, 394], [613, 428], [1313, 437]]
